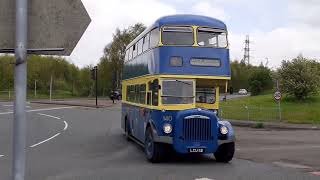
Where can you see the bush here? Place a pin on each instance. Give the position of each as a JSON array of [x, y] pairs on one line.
[[255, 87], [300, 77], [260, 80]]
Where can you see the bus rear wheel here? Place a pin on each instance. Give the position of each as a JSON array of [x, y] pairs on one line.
[[225, 152], [153, 150]]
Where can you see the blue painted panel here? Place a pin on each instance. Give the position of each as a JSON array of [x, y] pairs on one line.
[[187, 53]]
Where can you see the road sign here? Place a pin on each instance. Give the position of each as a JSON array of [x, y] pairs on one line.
[[52, 24], [277, 95]]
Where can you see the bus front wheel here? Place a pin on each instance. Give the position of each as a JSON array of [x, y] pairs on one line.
[[153, 150], [127, 129], [225, 152]]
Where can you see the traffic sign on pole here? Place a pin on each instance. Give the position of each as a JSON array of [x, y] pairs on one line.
[[277, 95], [54, 27], [39, 27]]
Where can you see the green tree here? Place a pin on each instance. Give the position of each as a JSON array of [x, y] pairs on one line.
[[300, 77], [111, 64], [260, 80]]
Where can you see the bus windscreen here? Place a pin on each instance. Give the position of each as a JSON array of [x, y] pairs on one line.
[[177, 92], [177, 36], [212, 38]]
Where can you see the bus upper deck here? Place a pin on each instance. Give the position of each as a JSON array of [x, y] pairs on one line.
[[180, 45]]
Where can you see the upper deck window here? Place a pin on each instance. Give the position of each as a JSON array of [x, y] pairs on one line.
[[174, 35], [212, 37], [154, 38]]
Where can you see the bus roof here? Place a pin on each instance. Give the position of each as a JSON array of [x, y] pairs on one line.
[[196, 20], [183, 19]]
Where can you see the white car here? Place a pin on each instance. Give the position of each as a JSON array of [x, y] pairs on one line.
[[243, 92]]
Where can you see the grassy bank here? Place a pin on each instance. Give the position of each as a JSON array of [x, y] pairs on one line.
[[264, 108]]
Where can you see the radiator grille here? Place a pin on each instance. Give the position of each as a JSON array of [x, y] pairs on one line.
[[197, 129]]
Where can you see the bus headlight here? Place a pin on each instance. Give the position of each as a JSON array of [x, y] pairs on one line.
[[224, 130], [167, 128]]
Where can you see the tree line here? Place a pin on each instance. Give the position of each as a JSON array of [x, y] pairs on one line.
[[299, 77]]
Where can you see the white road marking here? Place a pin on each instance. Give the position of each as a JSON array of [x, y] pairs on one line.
[[7, 105], [203, 179], [317, 173], [65, 125], [55, 117], [47, 115], [37, 110], [41, 114], [32, 146], [291, 165]]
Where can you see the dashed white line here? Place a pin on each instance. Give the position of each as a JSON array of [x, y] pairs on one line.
[[32, 146], [1, 156], [37, 110], [41, 114]]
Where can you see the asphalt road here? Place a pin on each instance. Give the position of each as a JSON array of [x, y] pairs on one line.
[[82, 144]]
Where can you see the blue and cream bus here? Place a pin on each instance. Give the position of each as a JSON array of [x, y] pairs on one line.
[[173, 74]]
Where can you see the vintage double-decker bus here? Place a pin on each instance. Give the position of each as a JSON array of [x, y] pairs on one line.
[[172, 76]]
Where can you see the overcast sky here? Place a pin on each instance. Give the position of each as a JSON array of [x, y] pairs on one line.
[[278, 29]]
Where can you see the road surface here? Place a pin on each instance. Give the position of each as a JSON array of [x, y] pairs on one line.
[[72, 143]]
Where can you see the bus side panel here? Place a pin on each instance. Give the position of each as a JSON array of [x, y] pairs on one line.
[[146, 63], [136, 118]]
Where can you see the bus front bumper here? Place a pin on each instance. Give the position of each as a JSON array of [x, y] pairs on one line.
[[209, 147]]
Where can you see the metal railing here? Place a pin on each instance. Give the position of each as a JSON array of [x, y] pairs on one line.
[[265, 114], [6, 95]]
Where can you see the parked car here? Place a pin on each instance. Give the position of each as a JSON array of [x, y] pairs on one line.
[[243, 92]]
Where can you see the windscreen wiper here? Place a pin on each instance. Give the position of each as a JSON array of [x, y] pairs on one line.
[[183, 82]]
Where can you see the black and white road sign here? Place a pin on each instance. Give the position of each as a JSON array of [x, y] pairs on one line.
[[277, 95]]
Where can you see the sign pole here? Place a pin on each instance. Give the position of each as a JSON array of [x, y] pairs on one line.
[[279, 103], [20, 86], [35, 88], [96, 74], [51, 88]]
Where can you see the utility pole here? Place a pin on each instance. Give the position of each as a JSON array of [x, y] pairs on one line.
[[246, 56], [51, 88], [20, 87]]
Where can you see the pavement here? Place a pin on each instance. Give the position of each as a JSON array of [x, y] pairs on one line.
[[77, 102], [79, 143]]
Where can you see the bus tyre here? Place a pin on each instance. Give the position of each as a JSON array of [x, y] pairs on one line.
[[225, 152], [127, 130], [153, 150]]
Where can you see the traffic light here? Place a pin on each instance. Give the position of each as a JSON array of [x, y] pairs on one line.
[[93, 73]]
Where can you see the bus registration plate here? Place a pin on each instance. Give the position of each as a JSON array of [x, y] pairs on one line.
[[196, 150]]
